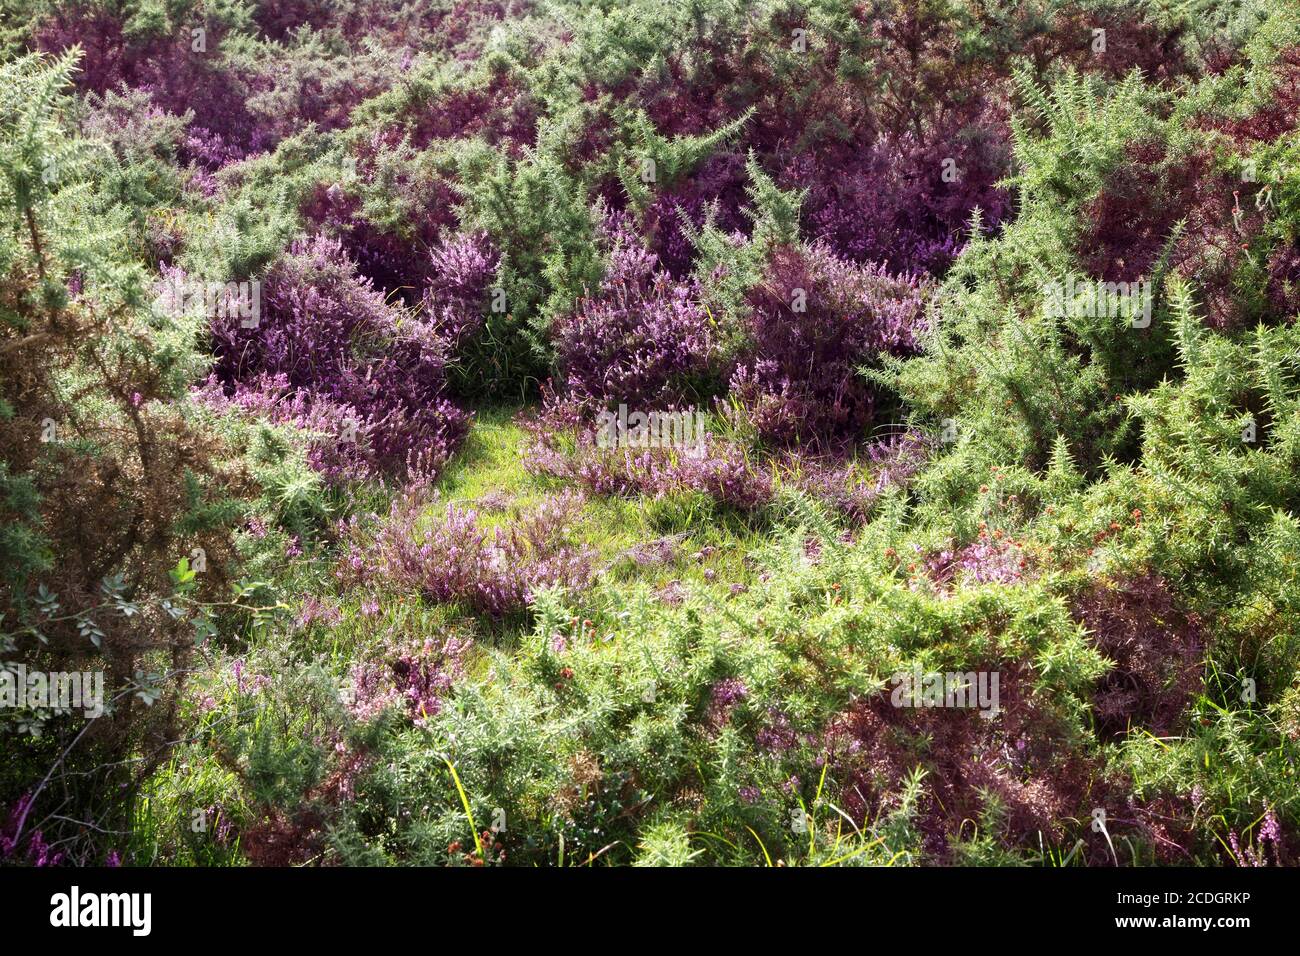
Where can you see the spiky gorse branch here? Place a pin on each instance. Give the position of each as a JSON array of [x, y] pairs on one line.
[[106, 480]]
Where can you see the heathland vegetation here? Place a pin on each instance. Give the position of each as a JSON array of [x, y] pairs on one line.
[[605, 432]]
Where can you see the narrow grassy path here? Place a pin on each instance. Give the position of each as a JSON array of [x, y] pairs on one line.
[[489, 473]]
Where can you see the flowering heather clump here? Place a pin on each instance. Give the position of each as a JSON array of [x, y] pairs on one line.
[[715, 193], [986, 561], [333, 357], [1154, 197], [868, 744], [449, 557], [777, 735], [162, 64], [890, 202], [17, 815], [246, 92], [415, 680], [891, 167], [312, 83], [815, 321], [1269, 837], [462, 270], [724, 698], [845, 489], [314, 609], [39, 851], [398, 260], [1024, 759], [720, 470], [641, 339]]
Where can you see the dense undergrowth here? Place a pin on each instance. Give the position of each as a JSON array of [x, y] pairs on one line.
[[322, 324]]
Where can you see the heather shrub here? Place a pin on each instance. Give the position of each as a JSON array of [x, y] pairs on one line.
[[330, 355], [455, 558], [1163, 45], [388, 220], [563, 446], [157, 52], [456, 299], [815, 321], [713, 468], [893, 140], [415, 681], [900, 189], [714, 195], [643, 339], [244, 91], [1156, 650], [854, 488]]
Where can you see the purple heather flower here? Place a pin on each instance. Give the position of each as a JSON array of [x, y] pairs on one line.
[[642, 337], [728, 691], [332, 357], [456, 559]]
